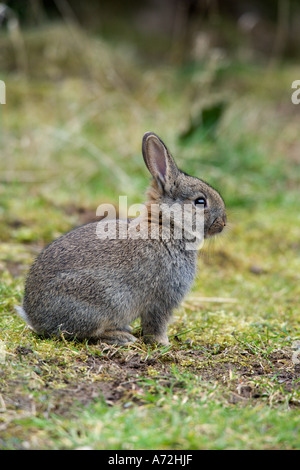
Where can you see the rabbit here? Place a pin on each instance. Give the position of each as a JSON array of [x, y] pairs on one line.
[[84, 287]]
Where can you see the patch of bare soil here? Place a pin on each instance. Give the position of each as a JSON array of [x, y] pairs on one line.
[[121, 378], [84, 215]]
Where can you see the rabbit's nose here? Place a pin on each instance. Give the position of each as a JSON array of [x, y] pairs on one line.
[[224, 218]]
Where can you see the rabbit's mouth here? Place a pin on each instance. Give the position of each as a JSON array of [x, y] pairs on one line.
[[217, 226]]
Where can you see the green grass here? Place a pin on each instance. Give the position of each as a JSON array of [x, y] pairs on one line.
[[196, 420], [71, 139]]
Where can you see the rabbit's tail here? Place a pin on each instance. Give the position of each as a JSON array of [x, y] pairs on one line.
[[21, 312]]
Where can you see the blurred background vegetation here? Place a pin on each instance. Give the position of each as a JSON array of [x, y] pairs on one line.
[[85, 80]]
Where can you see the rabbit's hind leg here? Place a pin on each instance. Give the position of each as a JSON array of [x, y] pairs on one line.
[[115, 336]]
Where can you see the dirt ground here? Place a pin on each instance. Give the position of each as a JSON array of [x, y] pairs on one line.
[[125, 376]]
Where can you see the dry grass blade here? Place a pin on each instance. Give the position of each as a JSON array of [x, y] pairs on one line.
[[221, 300]]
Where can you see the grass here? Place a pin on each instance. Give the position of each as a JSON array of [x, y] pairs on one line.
[[71, 135]]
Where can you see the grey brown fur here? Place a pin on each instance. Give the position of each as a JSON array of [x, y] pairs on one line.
[[85, 287]]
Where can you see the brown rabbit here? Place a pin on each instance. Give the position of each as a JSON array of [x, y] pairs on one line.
[[84, 286]]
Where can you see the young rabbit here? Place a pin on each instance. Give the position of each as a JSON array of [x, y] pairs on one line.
[[84, 286]]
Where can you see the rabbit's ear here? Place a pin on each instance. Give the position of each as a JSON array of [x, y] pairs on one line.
[[158, 160]]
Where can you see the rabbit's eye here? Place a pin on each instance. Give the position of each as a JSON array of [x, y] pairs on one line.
[[200, 201]]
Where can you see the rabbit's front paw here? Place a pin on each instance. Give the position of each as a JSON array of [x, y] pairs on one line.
[[159, 339]]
